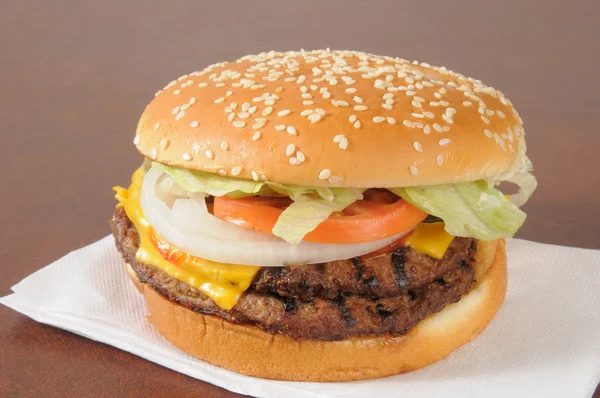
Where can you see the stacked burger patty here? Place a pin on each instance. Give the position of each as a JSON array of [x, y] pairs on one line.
[[382, 295]]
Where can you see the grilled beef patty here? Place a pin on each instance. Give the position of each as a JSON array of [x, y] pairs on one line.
[[338, 314]]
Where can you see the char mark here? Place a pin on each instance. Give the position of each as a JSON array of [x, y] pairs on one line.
[[398, 262], [290, 305], [358, 266], [344, 311]]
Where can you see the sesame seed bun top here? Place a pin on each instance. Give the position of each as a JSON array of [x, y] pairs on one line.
[[334, 118]]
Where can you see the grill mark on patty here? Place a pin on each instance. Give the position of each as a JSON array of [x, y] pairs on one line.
[[345, 312], [382, 312], [399, 261], [290, 305], [358, 266]]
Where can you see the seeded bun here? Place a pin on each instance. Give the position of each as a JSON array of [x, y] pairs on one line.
[[333, 118], [251, 351]]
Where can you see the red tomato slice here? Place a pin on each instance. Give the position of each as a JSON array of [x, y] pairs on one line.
[[379, 215]]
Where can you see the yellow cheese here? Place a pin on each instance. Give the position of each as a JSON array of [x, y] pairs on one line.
[[223, 283], [431, 239]]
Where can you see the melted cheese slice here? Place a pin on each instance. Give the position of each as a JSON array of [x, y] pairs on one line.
[[223, 283], [431, 239]]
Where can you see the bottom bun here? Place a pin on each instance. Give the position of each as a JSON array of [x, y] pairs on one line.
[[251, 351]]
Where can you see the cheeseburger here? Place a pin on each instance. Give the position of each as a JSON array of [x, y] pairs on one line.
[[323, 215]]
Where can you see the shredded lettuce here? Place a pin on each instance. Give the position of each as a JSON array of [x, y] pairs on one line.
[[471, 209], [307, 212], [209, 183]]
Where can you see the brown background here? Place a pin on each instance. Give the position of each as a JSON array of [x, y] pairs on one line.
[[75, 76]]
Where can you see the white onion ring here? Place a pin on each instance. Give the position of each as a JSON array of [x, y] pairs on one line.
[[214, 239]]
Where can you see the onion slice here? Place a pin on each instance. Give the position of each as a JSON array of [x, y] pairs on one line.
[[191, 228]]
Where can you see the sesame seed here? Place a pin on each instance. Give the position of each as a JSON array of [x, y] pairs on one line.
[[239, 123], [306, 112], [177, 92], [467, 103], [387, 106], [387, 96], [485, 119], [222, 172], [447, 118], [186, 156], [488, 133], [360, 108], [427, 129], [437, 127], [156, 126], [280, 127], [358, 99], [254, 175], [203, 84], [408, 123], [192, 101], [437, 95], [283, 112], [320, 111], [418, 147], [154, 153], [300, 156], [164, 143], [209, 154], [219, 100], [357, 124], [352, 118], [180, 115], [267, 111], [444, 141], [291, 148], [306, 95], [439, 159], [445, 129], [314, 117], [489, 112], [390, 120], [501, 114], [324, 174], [326, 94], [418, 115], [294, 161], [252, 109], [256, 136], [444, 103], [410, 93], [243, 115], [185, 106], [334, 179], [194, 124], [413, 170], [351, 90], [231, 116], [291, 130], [236, 170], [224, 145], [378, 119], [307, 102], [175, 110], [416, 104]]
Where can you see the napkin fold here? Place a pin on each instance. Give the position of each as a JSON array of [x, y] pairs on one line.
[[544, 342]]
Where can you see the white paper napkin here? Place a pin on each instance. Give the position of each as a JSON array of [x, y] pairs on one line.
[[544, 342]]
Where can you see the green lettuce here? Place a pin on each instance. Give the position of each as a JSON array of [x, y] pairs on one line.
[[471, 209], [212, 184], [307, 212]]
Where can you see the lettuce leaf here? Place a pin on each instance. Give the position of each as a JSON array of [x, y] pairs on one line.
[[212, 184], [470, 209], [307, 212]]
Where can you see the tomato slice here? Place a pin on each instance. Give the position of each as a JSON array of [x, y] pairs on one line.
[[379, 215]]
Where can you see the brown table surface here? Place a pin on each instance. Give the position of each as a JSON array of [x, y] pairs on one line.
[[75, 76]]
